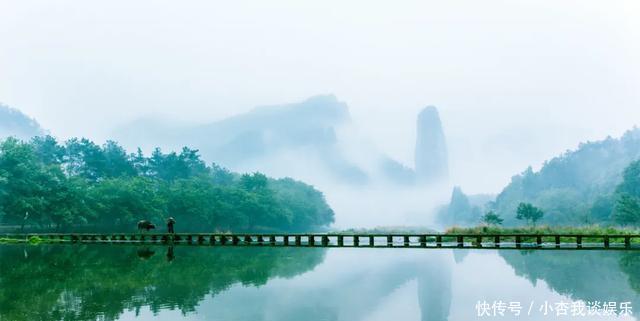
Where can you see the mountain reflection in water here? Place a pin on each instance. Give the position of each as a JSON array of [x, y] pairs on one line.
[[109, 282]]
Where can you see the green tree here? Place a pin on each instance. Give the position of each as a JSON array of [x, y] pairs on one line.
[[172, 166], [627, 211], [579, 186], [602, 208], [261, 202], [627, 207], [191, 202], [67, 202], [253, 182], [48, 150], [96, 187], [84, 158], [630, 180], [530, 213], [116, 161], [121, 202], [491, 218], [25, 183], [221, 175], [302, 205], [140, 163]]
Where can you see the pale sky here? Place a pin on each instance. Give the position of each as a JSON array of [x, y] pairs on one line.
[[516, 82]]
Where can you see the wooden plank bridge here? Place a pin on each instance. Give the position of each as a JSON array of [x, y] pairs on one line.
[[484, 241]]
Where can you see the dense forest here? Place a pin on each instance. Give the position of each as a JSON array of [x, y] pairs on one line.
[[599, 183], [46, 184]]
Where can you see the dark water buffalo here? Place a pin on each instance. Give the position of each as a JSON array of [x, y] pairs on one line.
[[146, 225]]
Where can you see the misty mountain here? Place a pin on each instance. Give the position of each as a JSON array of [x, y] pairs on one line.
[[431, 158], [273, 138], [311, 140], [577, 187], [574, 188], [463, 209], [15, 123]]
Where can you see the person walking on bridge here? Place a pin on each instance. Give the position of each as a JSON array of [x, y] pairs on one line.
[[170, 223]]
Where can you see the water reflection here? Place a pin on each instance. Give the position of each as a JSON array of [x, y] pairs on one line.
[[434, 290], [145, 252], [170, 255], [88, 282], [591, 276]]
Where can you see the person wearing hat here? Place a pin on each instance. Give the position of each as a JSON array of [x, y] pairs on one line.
[[170, 223]]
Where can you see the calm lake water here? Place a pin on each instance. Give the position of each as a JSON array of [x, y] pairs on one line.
[[122, 282]]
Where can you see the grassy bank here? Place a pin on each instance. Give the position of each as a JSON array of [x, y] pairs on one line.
[[4, 240], [543, 230], [33, 240]]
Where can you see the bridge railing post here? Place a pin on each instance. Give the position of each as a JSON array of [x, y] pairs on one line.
[[579, 241], [627, 241]]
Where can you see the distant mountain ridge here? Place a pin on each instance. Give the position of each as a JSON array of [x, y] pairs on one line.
[[572, 188], [15, 123], [297, 139], [577, 187], [269, 129], [263, 138]]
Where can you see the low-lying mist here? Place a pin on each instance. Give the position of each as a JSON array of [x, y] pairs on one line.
[[315, 141]]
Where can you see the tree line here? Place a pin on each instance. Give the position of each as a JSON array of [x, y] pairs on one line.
[[622, 206], [591, 185], [599, 183], [79, 184]]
